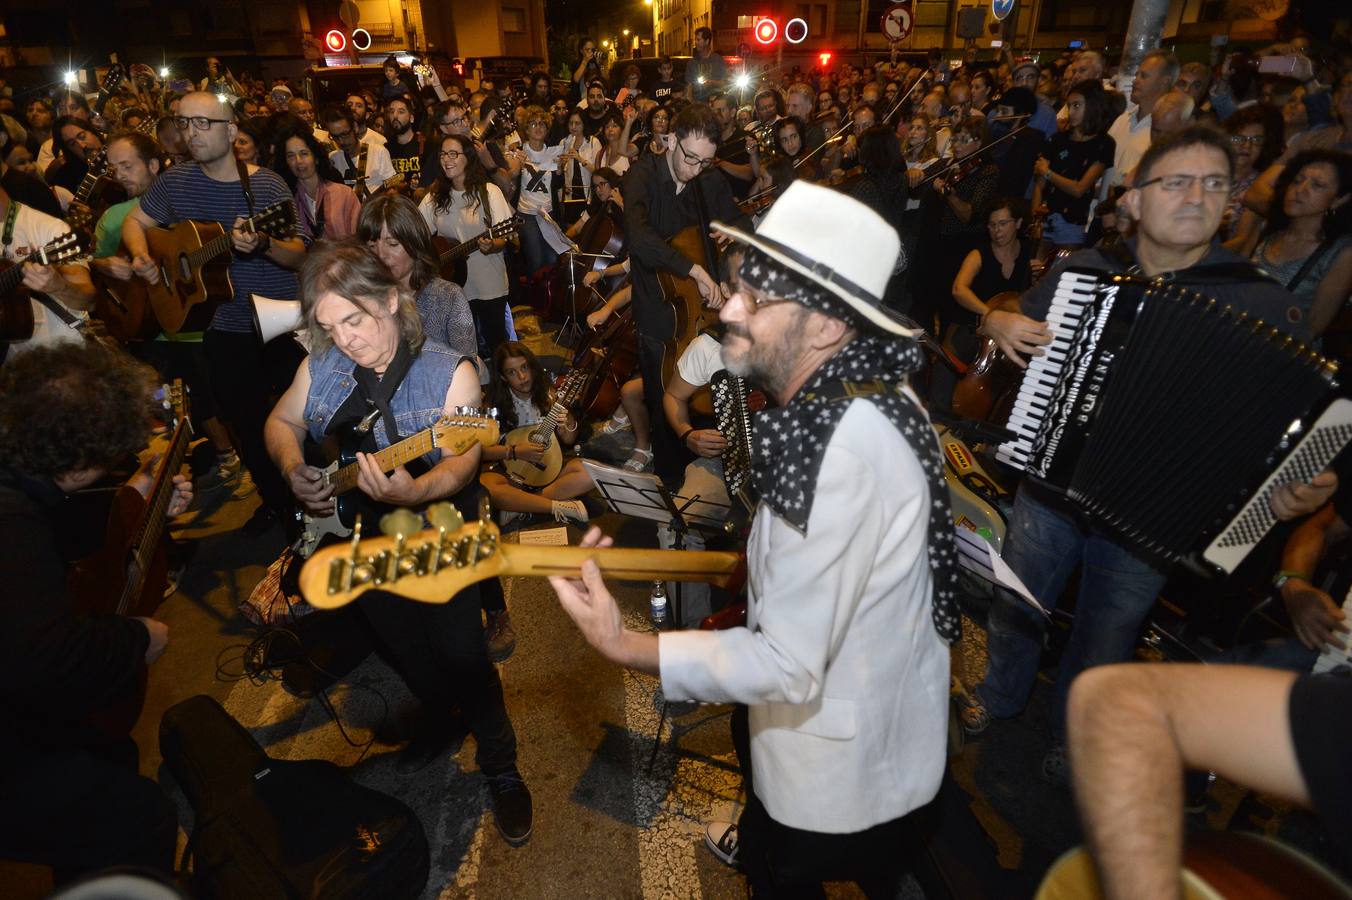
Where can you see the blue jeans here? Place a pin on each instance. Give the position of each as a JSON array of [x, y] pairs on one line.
[[537, 251], [1046, 541], [1058, 230]]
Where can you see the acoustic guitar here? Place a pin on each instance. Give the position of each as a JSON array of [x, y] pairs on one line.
[[128, 575], [434, 565], [452, 257], [16, 301], [193, 261], [124, 308], [454, 434], [1217, 865]]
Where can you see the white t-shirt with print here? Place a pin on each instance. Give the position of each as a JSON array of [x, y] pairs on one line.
[[535, 194]]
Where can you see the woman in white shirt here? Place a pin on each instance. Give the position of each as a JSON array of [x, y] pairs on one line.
[[576, 163], [535, 198], [461, 205]]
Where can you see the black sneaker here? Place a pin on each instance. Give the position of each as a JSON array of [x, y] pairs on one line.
[[499, 635], [511, 806]]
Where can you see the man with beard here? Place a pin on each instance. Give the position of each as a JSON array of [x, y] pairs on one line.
[[598, 109], [209, 189], [842, 667], [357, 105], [405, 145]]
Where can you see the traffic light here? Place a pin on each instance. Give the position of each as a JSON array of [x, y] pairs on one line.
[[361, 39], [795, 31], [766, 30], [335, 41]]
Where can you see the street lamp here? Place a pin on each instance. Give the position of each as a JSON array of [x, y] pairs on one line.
[[626, 32], [605, 43]]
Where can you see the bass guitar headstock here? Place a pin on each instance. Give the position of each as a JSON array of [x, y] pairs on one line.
[[458, 433]]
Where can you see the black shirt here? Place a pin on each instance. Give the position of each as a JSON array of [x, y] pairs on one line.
[[654, 213], [1322, 735], [31, 192], [1072, 159], [407, 160], [665, 91]]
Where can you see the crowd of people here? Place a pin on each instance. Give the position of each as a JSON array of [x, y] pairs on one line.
[[842, 213]]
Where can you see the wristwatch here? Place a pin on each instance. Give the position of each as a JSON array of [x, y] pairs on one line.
[[1284, 576]]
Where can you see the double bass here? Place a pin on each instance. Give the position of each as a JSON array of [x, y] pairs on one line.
[[692, 314]]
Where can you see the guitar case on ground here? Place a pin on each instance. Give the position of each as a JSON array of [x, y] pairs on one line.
[[268, 828]]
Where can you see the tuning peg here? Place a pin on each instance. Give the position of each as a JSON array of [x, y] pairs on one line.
[[445, 516], [400, 523]]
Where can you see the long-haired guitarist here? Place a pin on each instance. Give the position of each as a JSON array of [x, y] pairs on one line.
[[370, 363], [72, 795]]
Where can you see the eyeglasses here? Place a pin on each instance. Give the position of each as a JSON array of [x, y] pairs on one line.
[[1246, 139], [1212, 184], [965, 139], [537, 123], [697, 163], [201, 123], [452, 123], [450, 154], [755, 304]]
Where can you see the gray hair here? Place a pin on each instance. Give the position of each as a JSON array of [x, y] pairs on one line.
[[1171, 65], [349, 269]]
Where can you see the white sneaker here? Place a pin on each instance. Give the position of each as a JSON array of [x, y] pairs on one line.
[[721, 839], [571, 511]]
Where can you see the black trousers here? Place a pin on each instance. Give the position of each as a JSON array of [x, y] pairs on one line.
[[246, 376], [84, 809], [490, 322], [780, 861], [669, 455], [439, 651]]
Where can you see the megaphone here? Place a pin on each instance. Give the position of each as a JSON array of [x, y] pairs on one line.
[[274, 318]]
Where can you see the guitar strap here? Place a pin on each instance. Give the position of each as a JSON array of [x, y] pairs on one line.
[[359, 171], [7, 238], [244, 183], [11, 216], [379, 391]]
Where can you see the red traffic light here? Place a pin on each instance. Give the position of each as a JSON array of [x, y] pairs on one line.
[[795, 31], [335, 41], [766, 31], [824, 58]]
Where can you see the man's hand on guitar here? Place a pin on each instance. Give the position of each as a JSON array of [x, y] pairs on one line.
[[145, 267], [590, 604], [246, 242], [708, 288], [143, 481], [43, 279], [397, 488], [307, 483], [706, 442], [1295, 498], [159, 638], [1016, 334], [116, 267]]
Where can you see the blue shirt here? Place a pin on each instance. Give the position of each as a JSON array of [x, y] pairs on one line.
[[186, 192]]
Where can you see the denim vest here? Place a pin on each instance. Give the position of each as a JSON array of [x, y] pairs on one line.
[[418, 402]]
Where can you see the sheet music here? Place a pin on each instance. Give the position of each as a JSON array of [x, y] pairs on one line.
[[976, 555], [1333, 659]]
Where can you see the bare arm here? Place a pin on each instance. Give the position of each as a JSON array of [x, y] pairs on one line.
[[1076, 188], [707, 442], [1259, 196], [1246, 233], [1315, 617], [68, 284], [962, 285], [1133, 729]]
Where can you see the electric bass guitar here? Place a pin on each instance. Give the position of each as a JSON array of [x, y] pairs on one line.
[[434, 565], [452, 257], [454, 434], [192, 259], [16, 301]]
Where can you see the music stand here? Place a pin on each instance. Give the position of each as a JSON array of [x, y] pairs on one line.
[[644, 496], [563, 338]]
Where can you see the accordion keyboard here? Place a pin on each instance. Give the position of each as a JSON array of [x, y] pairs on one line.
[[1074, 294]]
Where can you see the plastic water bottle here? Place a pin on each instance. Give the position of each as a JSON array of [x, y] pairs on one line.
[[658, 605]]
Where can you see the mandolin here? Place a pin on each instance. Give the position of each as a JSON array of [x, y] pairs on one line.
[[434, 565], [453, 434], [193, 261], [542, 434]]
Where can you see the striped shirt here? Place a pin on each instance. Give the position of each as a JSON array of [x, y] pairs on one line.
[[186, 192]]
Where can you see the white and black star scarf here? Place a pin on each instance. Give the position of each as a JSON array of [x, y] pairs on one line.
[[791, 441]]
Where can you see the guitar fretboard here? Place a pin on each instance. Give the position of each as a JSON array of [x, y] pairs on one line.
[[389, 459]]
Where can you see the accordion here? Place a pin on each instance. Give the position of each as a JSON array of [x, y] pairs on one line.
[[1168, 419], [732, 417]]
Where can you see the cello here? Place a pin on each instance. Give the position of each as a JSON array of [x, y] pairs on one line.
[[681, 293], [608, 357], [600, 243]]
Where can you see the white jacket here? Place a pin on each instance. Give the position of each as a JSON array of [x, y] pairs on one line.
[[844, 673]]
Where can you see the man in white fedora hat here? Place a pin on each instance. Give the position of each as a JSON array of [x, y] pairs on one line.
[[842, 668]]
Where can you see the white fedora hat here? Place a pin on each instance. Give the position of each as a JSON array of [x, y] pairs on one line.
[[834, 241]]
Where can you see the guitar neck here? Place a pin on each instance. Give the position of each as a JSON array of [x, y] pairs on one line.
[[462, 249], [389, 459], [217, 246], [626, 563], [156, 518]]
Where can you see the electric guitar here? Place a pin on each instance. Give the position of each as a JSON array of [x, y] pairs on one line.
[[193, 259], [454, 434], [16, 301], [452, 257], [434, 565], [541, 434]]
